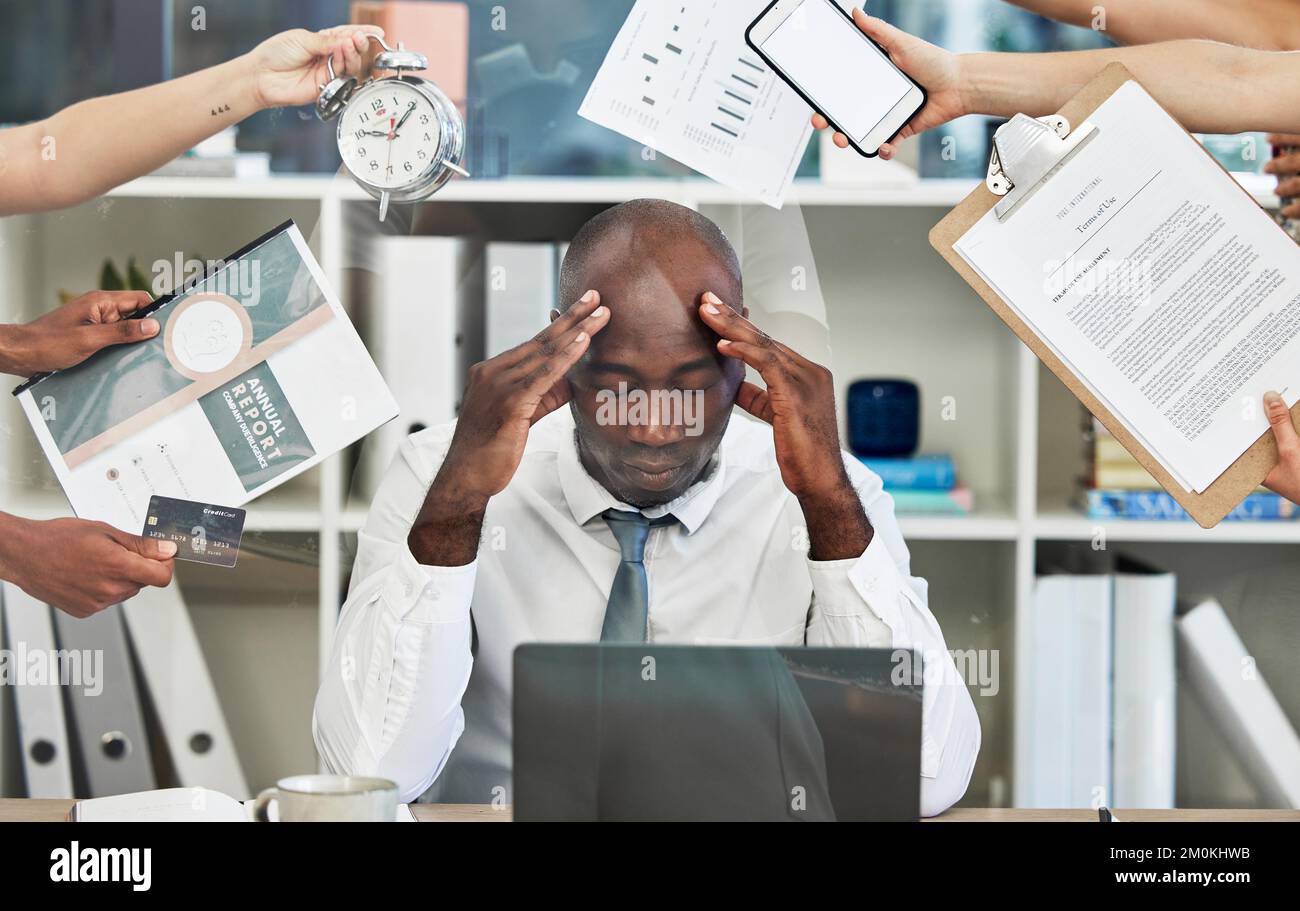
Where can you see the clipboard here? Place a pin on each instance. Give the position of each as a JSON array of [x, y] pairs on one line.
[[1027, 153]]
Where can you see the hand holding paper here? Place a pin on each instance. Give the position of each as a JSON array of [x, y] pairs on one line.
[[1285, 478], [67, 336]]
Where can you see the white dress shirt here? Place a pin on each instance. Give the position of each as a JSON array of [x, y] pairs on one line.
[[403, 698]]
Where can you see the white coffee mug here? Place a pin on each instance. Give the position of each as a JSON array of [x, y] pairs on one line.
[[328, 798]]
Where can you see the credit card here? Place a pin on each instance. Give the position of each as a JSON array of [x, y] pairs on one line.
[[202, 532]]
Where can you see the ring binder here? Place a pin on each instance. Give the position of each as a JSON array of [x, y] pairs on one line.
[[1027, 152]]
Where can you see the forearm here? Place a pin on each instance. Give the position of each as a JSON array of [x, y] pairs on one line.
[[1264, 24], [1208, 87], [12, 531], [838, 528], [87, 149], [449, 525], [12, 354]]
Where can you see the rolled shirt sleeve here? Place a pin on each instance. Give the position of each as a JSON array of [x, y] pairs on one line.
[[389, 699], [874, 602]]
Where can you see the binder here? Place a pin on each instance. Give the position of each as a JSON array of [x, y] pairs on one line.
[[181, 692], [427, 294], [1069, 759], [108, 726], [520, 290], [1146, 691], [1252, 722], [1028, 153], [42, 728]]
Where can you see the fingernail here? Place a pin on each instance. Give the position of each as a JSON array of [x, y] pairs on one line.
[[580, 337], [599, 311], [587, 298], [722, 343], [150, 327], [711, 310], [167, 548], [1272, 399]]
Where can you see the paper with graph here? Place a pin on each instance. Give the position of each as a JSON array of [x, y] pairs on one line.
[[680, 79]]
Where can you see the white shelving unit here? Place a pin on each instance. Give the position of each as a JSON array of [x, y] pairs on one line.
[[896, 310]]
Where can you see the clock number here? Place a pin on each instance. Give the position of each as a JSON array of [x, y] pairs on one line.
[[362, 151], [377, 104], [424, 120], [407, 166], [428, 138], [361, 134], [364, 116], [374, 165], [421, 154]]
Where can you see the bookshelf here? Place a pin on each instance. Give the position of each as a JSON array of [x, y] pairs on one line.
[[896, 310]]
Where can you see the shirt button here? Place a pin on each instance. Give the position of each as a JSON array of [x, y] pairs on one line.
[[432, 593]]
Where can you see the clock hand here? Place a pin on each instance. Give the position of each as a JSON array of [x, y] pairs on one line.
[[410, 109], [388, 169]]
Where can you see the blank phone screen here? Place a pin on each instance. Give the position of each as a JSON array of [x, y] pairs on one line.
[[848, 78]]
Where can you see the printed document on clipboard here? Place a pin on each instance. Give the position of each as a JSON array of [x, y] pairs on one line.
[[1162, 286]]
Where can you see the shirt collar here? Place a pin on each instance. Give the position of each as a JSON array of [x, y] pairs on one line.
[[587, 498]]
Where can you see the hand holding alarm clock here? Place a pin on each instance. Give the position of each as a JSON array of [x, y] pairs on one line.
[[399, 136]]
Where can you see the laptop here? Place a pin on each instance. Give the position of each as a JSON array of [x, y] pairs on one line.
[[696, 733]]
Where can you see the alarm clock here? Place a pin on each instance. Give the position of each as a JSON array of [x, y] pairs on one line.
[[399, 136]]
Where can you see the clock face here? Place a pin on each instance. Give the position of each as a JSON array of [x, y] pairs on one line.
[[388, 134]]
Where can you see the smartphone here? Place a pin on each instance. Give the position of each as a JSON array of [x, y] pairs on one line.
[[817, 48]]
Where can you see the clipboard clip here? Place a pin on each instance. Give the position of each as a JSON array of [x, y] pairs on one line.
[[1027, 152]]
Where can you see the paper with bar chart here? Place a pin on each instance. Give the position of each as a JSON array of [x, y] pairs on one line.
[[680, 79]]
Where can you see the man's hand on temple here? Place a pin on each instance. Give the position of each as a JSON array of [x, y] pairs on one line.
[[799, 403], [506, 395]]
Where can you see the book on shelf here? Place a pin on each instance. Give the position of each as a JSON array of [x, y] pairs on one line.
[[956, 502], [1118, 487], [923, 472], [1159, 506]]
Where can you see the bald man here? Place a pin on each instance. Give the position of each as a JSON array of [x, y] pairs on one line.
[[641, 512]]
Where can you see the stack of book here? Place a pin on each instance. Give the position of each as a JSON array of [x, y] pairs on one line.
[[1118, 487], [923, 485]]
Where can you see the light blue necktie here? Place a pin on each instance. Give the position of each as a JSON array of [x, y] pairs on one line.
[[628, 610]]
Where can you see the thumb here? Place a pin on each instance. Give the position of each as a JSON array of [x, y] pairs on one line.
[[879, 31], [101, 335], [152, 548], [1279, 418]]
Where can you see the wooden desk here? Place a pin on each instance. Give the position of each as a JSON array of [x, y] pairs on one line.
[[23, 810]]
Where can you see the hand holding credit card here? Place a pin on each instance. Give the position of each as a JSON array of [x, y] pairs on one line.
[[202, 532]]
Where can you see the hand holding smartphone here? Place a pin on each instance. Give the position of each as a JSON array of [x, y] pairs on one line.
[[818, 50]]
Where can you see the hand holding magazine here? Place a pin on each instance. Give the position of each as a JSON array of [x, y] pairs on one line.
[[255, 376]]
